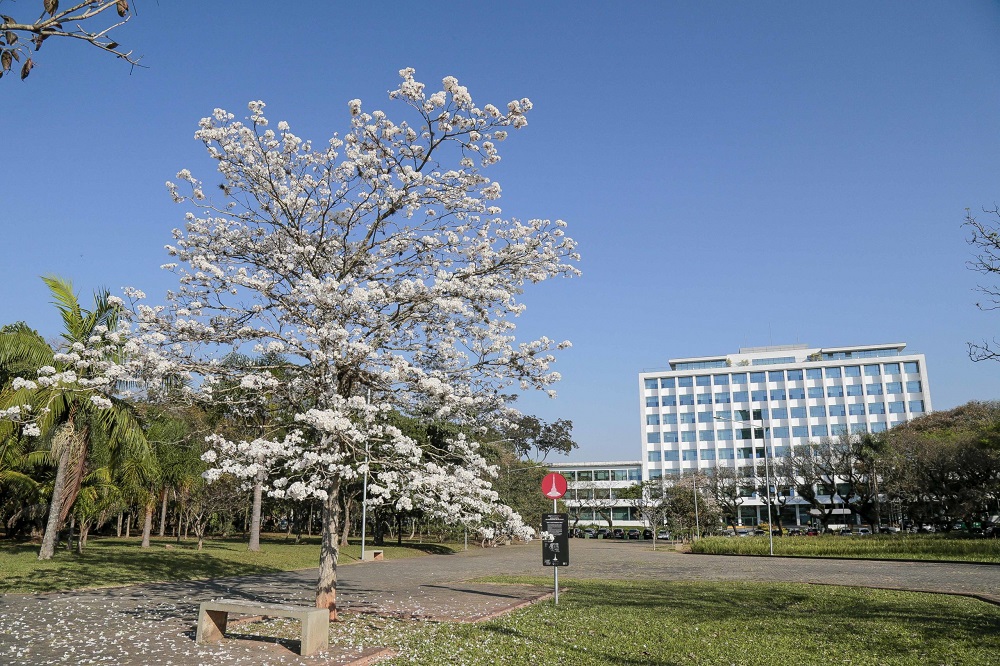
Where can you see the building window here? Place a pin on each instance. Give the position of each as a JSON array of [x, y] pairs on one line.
[[897, 407], [707, 454], [652, 419], [916, 406], [913, 387], [725, 454], [669, 401], [872, 370], [687, 399], [775, 375], [815, 391], [814, 373], [687, 417], [688, 436], [781, 452], [891, 368], [758, 396], [911, 366], [602, 475], [706, 435], [569, 476], [835, 391], [894, 387], [740, 378], [670, 438], [878, 426], [777, 394], [817, 410], [725, 435], [619, 475], [655, 473], [685, 381], [742, 414], [706, 417], [856, 410], [833, 373], [652, 401], [837, 410], [744, 453], [689, 455], [820, 431], [635, 474], [794, 375], [670, 456], [757, 377], [652, 383], [779, 413], [798, 412], [704, 398], [669, 419], [724, 414], [741, 396], [859, 428], [874, 389], [667, 382], [720, 380], [703, 380], [854, 390], [652, 438], [743, 433], [852, 371], [722, 398], [585, 475], [780, 431], [876, 408], [800, 431], [796, 394]]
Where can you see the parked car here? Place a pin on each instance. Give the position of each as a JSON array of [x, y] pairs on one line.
[[812, 531], [663, 535], [633, 534], [618, 533], [846, 532], [589, 533], [864, 531], [647, 533], [794, 531], [604, 533]]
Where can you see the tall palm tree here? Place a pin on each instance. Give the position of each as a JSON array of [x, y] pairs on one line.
[[67, 416]]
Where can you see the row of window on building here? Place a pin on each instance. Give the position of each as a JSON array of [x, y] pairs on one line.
[[633, 474], [874, 370], [780, 394], [777, 432], [779, 413]]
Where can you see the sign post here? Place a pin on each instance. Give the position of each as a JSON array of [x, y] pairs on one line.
[[555, 541]]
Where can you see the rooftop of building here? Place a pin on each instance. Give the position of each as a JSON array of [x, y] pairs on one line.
[[599, 464], [785, 354]]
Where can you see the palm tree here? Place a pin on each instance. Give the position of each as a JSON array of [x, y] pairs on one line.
[[67, 415]]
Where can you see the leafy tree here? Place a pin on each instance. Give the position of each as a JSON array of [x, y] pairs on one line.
[[68, 397], [378, 264], [84, 21], [534, 439], [688, 506], [649, 500]]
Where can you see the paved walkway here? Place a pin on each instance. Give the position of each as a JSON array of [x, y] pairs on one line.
[[154, 624]]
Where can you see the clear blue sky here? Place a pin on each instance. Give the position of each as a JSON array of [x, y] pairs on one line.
[[737, 174]]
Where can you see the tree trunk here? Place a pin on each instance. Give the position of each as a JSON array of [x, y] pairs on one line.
[[288, 523], [48, 548], [258, 492], [119, 529], [147, 525], [347, 522], [163, 512], [81, 540], [326, 586], [128, 525], [309, 525]]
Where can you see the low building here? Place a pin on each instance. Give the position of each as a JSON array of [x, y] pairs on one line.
[[594, 492]]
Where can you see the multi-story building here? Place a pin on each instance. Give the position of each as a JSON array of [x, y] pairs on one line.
[[722, 411], [594, 491]]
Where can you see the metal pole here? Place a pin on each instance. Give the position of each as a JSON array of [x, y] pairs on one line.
[[767, 485], [697, 524], [364, 505], [555, 570]]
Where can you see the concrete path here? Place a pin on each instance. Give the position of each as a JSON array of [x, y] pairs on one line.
[[154, 624]]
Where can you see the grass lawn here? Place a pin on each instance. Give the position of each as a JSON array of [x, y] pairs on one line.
[[886, 547], [664, 623], [109, 561]]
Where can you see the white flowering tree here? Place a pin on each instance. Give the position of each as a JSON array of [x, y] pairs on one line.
[[67, 393], [380, 266]]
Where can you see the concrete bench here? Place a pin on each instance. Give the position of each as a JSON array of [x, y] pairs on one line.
[[374, 556], [213, 616]]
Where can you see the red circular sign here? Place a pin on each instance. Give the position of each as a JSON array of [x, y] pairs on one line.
[[554, 485]]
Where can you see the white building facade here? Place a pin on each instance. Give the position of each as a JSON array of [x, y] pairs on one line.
[[722, 411], [594, 492]]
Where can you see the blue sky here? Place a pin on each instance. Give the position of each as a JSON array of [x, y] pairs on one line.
[[737, 174]]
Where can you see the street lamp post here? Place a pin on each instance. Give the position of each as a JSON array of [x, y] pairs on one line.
[[767, 472]]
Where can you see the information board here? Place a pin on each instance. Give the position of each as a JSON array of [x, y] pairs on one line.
[[555, 546]]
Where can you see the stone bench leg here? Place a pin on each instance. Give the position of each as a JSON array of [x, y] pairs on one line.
[[211, 625], [315, 633]]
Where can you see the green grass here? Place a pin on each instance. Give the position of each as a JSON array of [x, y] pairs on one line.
[[110, 562], [884, 547], [666, 623]]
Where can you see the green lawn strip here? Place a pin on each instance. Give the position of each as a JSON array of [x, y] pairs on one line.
[[891, 547], [661, 623], [109, 562]]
